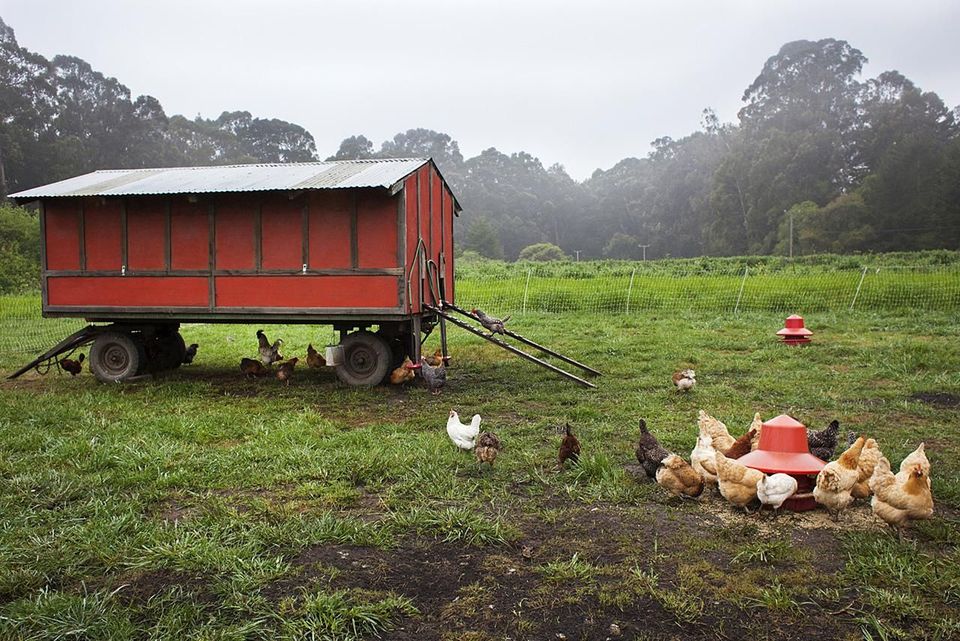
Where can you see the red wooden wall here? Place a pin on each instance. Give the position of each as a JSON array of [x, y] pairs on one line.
[[335, 250]]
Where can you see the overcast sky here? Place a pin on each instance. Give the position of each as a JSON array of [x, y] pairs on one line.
[[585, 84]]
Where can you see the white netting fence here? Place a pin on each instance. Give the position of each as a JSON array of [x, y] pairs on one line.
[[621, 288]]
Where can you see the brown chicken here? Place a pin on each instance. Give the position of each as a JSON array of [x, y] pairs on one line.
[[738, 483], [869, 457], [677, 477], [836, 480], [73, 366], [569, 447], [740, 446], [285, 373], [757, 426], [487, 448], [404, 373], [905, 496], [436, 359], [252, 368], [314, 359], [719, 435]]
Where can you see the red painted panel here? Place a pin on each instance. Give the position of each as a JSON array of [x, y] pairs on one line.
[[410, 192], [146, 230], [127, 291], [298, 292], [189, 236], [235, 238], [330, 229], [377, 229], [436, 216], [62, 228], [101, 232], [281, 241]]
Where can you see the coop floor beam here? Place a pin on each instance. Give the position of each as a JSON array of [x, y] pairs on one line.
[[510, 348]]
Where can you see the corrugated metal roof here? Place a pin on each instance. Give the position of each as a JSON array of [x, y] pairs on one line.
[[340, 174]]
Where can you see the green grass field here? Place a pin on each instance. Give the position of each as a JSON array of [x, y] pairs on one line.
[[202, 505]]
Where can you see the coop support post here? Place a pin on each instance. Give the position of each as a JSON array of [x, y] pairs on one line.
[[526, 287], [736, 309], [630, 288], [856, 294]]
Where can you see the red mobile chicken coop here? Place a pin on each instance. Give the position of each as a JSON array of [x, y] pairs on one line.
[[357, 244]]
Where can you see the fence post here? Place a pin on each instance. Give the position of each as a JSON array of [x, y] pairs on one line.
[[859, 285], [630, 288], [736, 309], [525, 288]]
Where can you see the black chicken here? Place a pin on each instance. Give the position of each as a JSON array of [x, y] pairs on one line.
[[190, 354], [72, 366], [822, 444], [491, 324], [649, 451], [435, 377]]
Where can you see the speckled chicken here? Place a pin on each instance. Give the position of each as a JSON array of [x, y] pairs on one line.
[[569, 447], [836, 480], [719, 435], [434, 377], [649, 452], [905, 496], [269, 354], [491, 324], [677, 477], [487, 448], [823, 444]]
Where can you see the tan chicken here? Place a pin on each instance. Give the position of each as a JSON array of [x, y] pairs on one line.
[[869, 457], [719, 435], [403, 374], [703, 459], [905, 496], [740, 446], [836, 480], [679, 478], [738, 483], [314, 359], [757, 426]]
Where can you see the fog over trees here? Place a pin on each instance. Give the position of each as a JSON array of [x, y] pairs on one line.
[[857, 164]]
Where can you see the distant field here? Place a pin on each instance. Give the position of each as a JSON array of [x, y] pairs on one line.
[[205, 506]]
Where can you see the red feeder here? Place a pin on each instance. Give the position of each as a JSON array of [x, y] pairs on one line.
[[793, 332], [783, 448]]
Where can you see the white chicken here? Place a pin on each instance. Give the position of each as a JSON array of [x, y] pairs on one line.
[[685, 379], [463, 436], [773, 490], [703, 459]]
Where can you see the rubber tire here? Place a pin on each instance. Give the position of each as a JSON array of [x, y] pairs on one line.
[[398, 350], [173, 349], [115, 357], [366, 359]]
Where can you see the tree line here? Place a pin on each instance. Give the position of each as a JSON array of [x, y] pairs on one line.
[[848, 165]]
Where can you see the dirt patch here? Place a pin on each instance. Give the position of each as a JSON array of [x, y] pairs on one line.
[[142, 586], [937, 399]]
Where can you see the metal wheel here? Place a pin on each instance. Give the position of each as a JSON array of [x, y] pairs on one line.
[[114, 357], [366, 359]]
